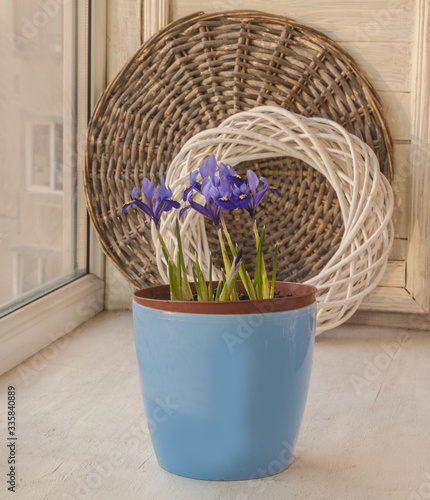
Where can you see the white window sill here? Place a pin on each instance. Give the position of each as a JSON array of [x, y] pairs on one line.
[[365, 434], [34, 326]]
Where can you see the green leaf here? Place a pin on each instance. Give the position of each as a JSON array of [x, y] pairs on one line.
[[275, 263], [181, 263], [243, 273], [228, 238], [202, 281], [210, 290], [230, 282], [196, 283], [226, 260], [178, 270], [259, 265], [175, 292], [164, 248], [218, 290], [257, 237]]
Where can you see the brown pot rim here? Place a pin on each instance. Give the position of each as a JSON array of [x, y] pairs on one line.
[[158, 297]]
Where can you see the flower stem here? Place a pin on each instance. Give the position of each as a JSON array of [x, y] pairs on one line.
[[261, 281], [243, 273]]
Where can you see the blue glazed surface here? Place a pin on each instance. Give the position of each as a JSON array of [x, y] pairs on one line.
[[224, 395]]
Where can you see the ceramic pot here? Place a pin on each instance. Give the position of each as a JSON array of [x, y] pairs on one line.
[[224, 384]]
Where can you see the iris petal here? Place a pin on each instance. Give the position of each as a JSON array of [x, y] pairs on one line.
[[126, 205], [225, 204], [193, 176], [144, 207], [196, 185], [238, 181], [208, 167], [184, 209], [226, 170], [238, 258], [207, 185], [201, 209], [259, 196], [243, 201], [148, 189], [172, 203], [274, 190], [252, 181]]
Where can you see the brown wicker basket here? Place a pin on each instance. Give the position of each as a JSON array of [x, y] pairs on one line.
[[191, 76]]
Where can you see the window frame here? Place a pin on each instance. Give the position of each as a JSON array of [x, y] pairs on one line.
[[33, 326]]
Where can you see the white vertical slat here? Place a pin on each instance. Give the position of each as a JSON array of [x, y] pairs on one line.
[[124, 36], [418, 259], [82, 98], [98, 81], [155, 16], [124, 27], [69, 140]]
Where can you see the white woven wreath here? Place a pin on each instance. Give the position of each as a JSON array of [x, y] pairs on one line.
[[365, 198]]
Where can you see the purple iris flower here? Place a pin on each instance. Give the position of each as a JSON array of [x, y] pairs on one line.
[[208, 167], [216, 189], [257, 196], [218, 197], [240, 190], [163, 200], [207, 170], [193, 184], [226, 170]]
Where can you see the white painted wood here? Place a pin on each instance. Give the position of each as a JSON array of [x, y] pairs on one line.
[[418, 260], [34, 326], [155, 16], [399, 249], [397, 109], [389, 319], [96, 264], [365, 432], [401, 187], [124, 37], [124, 27], [395, 274], [384, 298], [368, 21], [69, 137], [386, 65], [82, 101], [379, 35], [119, 292]]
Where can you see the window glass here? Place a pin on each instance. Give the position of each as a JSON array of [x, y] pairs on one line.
[[40, 238], [40, 155]]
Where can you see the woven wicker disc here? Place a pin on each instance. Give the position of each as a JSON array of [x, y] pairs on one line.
[[190, 77]]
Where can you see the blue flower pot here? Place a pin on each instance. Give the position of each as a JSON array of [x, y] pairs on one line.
[[224, 394]]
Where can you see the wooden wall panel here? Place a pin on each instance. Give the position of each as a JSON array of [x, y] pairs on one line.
[[342, 20], [124, 36], [124, 33], [397, 108], [379, 35]]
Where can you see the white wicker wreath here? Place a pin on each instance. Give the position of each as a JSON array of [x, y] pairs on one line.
[[365, 198]]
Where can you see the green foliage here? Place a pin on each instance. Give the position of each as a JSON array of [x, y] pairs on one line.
[[258, 288]]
